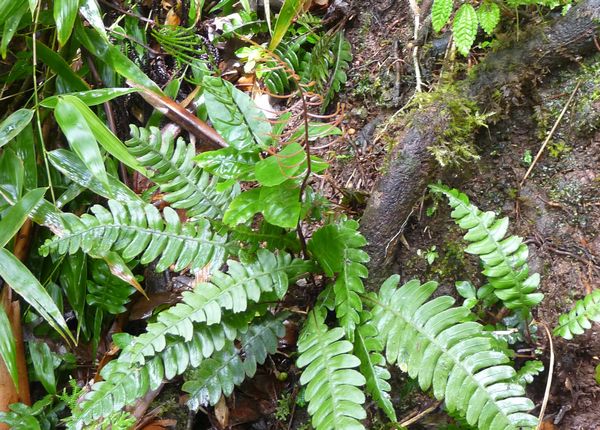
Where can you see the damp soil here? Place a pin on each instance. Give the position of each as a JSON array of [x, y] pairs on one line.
[[556, 210]]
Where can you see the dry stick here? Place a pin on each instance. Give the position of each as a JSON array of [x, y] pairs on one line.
[[415, 53], [549, 381], [558, 120], [417, 417]]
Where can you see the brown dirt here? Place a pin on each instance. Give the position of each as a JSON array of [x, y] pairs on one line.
[[557, 211]]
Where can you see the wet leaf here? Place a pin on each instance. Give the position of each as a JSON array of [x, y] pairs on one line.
[[29, 288], [14, 124], [8, 348], [288, 13], [65, 12], [80, 137], [90, 97], [43, 365], [91, 11], [16, 215]]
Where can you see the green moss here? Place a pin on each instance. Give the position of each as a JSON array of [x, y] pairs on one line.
[[455, 144]]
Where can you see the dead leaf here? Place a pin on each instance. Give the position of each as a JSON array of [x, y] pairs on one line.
[[222, 412]]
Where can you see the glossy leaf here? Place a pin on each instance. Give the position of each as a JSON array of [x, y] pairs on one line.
[[91, 11], [8, 348], [73, 168], [281, 205], [11, 26], [14, 124], [28, 287], [43, 365], [289, 10], [80, 137], [15, 216], [70, 79], [235, 116], [65, 12], [90, 97]]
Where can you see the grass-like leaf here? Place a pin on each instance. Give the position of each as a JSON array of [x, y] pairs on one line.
[[580, 318]]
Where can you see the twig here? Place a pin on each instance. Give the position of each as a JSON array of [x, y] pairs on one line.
[[549, 381], [415, 52], [420, 415], [558, 120]]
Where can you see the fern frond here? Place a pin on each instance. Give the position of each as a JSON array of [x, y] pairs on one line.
[[440, 13], [441, 347], [464, 28], [125, 382], [368, 348], [139, 230], [186, 186], [504, 258], [337, 249], [223, 371], [232, 291], [341, 61], [580, 318], [334, 399]]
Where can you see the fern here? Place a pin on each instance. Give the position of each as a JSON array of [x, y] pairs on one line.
[[334, 399], [125, 382], [440, 13], [185, 185], [337, 249], [504, 258], [368, 348], [464, 28], [232, 291], [488, 14], [341, 62], [441, 347], [218, 375], [138, 229], [580, 318]]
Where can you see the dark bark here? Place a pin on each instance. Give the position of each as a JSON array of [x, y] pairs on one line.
[[411, 165]]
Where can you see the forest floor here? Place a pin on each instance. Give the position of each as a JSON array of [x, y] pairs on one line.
[[556, 210]]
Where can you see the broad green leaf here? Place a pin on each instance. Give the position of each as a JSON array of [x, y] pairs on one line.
[[91, 11], [287, 14], [65, 12], [80, 137], [112, 56], [32, 6], [235, 116], [465, 28], [29, 288], [69, 165], [73, 279], [104, 136], [24, 147], [243, 207], [43, 365], [8, 348], [14, 124], [489, 16], [11, 175], [8, 8], [10, 27], [16, 215], [281, 205], [227, 163], [440, 13], [280, 167], [90, 97], [59, 66]]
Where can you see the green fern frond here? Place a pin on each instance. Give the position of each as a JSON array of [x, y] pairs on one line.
[[504, 258], [186, 186], [464, 28], [232, 291], [223, 371], [125, 382], [139, 230], [440, 13], [341, 62], [441, 347], [332, 383], [337, 249], [368, 348], [580, 318]]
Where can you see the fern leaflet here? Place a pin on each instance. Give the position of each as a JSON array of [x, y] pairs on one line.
[[232, 291], [334, 399], [440, 13], [368, 348], [504, 259], [138, 229], [337, 249], [580, 318], [464, 28], [185, 185], [341, 62], [433, 343], [219, 374]]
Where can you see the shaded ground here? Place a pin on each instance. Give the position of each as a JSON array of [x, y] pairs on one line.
[[557, 210]]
